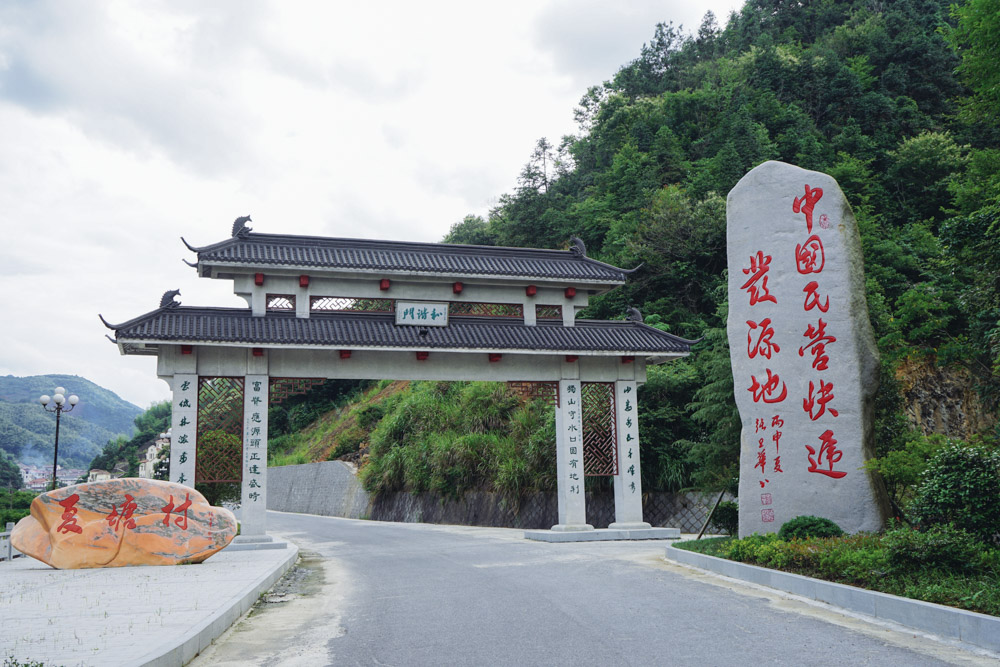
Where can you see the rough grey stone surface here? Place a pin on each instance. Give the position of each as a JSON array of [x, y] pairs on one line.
[[805, 366], [329, 488]]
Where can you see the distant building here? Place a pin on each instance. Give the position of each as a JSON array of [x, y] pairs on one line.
[[148, 465], [98, 475]]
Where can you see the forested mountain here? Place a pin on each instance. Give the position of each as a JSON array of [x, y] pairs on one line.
[[865, 90], [27, 432]]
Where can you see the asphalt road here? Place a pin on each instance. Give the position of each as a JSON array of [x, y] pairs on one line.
[[374, 593]]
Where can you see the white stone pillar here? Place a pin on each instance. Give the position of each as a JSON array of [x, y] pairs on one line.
[[183, 428], [628, 481], [254, 498], [569, 459]]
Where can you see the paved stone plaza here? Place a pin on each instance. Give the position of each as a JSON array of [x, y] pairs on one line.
[[129, 615]]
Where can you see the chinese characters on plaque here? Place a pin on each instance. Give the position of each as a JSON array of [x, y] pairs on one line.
[[800, 344], [423, 313]]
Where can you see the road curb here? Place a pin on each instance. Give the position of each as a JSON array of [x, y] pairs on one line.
[[182, 650], [980, 630]]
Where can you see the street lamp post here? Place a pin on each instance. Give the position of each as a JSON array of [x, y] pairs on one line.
[[59, 399]]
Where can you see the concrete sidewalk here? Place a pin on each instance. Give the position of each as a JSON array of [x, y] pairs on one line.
[[129, 615]]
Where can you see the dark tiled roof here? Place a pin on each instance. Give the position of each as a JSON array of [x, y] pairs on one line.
[[262, 250], [354, 330]]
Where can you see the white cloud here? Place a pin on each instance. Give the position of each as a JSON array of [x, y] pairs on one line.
[[126, 125]]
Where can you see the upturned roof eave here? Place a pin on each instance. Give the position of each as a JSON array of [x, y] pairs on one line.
[[576, 280], [411, 246]]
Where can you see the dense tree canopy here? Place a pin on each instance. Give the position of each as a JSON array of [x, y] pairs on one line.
[[897, 99]]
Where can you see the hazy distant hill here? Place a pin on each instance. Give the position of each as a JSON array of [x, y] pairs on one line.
[[27, 432]]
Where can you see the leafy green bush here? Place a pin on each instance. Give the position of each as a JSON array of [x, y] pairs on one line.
[[961, 486], [944, 547], [727, 517], [802, 527]]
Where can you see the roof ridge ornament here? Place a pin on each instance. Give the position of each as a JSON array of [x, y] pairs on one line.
[[240, 229], [167, 300], [634, 315], [578, 247]]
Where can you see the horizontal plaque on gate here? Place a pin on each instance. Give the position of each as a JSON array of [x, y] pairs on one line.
[[422, 313]]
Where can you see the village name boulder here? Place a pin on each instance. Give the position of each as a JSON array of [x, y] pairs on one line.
[[805, 365], [123, 522]]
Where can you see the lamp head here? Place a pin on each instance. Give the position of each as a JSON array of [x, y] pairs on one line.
[[73, 399], [60, 390], [58, 398], [44, 399]]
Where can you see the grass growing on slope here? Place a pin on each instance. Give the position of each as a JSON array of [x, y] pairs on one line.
[[943, 565]]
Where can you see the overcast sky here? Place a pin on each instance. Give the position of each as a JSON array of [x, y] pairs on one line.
[[125, 125]]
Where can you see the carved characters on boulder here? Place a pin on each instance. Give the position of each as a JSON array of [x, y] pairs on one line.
[[123, 522]]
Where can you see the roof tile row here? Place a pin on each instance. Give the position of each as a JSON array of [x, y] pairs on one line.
[[362, 254], [353, 329]]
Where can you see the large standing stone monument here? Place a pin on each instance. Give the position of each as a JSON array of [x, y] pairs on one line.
[[805, 366]]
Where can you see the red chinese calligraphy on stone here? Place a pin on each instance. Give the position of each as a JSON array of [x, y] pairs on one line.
[[818, 340], [764, 345], [777, 440], [810, 257], [777, 421], [777, 464], [759, 425], [765, 391], [765, 499], [761, 460], [829, 453], [767, 516], [759, 266], [179, 521], [764, 482], [125, 516], [68, 517], [806, 203], [815, 405], [812, 298]]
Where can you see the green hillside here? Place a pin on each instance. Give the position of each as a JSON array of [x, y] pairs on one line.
[[27, 431], [897, 100]]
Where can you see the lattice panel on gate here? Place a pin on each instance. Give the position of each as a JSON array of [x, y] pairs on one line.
[[548, 312], [281, 302], [547, 391], [282, 388], [350, 305], [600, 450], [220, 430], [486, 309]]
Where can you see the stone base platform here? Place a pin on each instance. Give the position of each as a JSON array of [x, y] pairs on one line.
[[255, 542], [603, 534]]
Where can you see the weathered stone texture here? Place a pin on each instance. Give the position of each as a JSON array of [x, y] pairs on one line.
[[804, 360], [123, 522]]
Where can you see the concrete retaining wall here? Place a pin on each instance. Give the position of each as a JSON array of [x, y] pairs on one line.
[[331, 488], [328, 488]]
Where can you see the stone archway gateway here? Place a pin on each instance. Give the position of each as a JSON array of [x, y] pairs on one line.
[[330, 308]]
